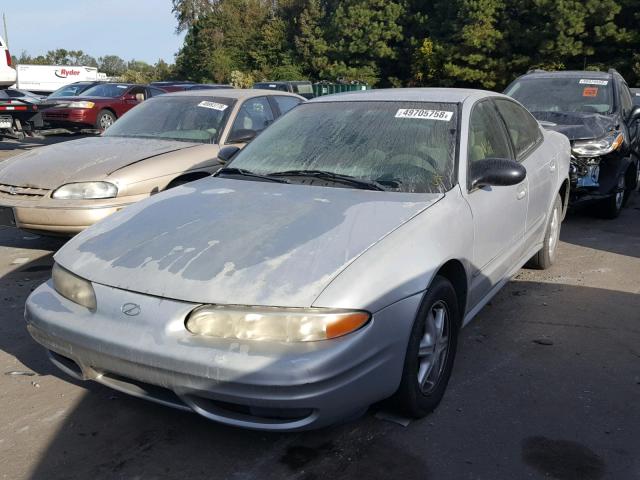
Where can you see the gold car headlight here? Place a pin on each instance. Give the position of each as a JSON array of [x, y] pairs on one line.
[[86, 191], [73, 288], [274, 323]]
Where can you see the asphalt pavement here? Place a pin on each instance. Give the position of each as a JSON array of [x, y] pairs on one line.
[[546, 385]]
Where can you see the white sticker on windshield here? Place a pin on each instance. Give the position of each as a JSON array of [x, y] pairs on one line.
[[424, 114], [216, 106], [588, 81], [122, 86]]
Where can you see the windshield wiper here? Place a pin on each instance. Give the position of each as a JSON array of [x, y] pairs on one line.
[[331, 176], [246, 173]]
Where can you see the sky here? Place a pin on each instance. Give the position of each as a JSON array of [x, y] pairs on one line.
[[131, 29]]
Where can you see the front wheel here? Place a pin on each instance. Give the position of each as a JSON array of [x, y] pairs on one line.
[[611, 206], [105, 119], [546, 256], [430, 352]]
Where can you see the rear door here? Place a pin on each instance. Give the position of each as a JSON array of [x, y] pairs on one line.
[[499, 213], [541, 165]]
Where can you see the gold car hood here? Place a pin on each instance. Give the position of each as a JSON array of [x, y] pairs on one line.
[[86, 159]]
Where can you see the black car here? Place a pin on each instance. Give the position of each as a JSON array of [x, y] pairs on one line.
[[597, 112], [304, 88], [635, 94]]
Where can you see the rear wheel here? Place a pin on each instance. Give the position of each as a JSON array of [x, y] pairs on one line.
[[430, 352], [105, 119], [611, 206], [546, 256]]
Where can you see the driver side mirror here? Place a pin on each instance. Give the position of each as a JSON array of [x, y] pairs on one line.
[[241, 135], [227, 153], [635, 114], [495, 172]]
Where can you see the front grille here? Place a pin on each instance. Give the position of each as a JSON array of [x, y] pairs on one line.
[[56, 114], [14, 191]]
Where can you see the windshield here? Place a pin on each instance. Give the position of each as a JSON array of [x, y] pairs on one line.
[[404, 146], [563, 94], [187, 119], [111, 90], [303, 88], [69, 90]]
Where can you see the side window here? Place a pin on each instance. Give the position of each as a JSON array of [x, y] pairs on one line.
[[154, 92], [286, 103], [487, 136], [138, 92], [254, 114], [625, 100], [523, 129]]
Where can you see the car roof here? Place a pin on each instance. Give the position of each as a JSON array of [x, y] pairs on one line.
[[568, 74], [444, 95], [237, 93]]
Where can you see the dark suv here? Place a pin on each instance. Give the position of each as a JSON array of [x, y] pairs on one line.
[[597, 112]]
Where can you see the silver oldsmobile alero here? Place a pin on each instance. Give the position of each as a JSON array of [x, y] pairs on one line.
[[329, 265]]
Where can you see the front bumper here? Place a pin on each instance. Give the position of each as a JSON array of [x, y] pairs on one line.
[[70, 117], [62, 217], [258, 385]]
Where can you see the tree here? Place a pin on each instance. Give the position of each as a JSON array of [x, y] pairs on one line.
[[112, 65]]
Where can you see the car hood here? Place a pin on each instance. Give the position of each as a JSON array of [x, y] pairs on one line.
[[577, 125], [238, 242], [87, 159]]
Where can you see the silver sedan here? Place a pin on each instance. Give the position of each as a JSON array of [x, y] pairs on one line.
[[328, 266]]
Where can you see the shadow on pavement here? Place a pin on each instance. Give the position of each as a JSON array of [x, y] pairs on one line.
[[542, 384]]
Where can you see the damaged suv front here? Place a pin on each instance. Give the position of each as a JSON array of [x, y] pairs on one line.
[[595, 111]]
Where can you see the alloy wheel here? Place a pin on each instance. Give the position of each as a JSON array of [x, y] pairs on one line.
[[434, 347], [554, 231]]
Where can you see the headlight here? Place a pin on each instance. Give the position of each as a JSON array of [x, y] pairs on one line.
[[81, 105], [273, 323], [73, 288], [86, 190], [595, 148]]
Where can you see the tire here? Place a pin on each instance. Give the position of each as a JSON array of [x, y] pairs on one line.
[[104, 119], [611, 206], [631, 179], [546, 256], [415, 398]]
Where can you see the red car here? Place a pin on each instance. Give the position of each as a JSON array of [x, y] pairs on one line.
[[99, 106]]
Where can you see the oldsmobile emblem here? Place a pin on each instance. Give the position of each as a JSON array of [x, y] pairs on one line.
[[13, 191], [131, 309]]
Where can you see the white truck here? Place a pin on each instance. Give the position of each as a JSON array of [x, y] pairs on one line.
[[7, 73], [48, 78]]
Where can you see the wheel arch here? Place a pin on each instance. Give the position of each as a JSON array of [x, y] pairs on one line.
[[454, 271], [564, 195]]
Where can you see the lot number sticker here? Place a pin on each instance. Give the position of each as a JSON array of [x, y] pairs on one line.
[[590, 92], [221, 107], [586, 81], [424, 114]]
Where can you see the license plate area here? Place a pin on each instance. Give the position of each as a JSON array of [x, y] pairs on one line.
[[6, 121], [7, 217]]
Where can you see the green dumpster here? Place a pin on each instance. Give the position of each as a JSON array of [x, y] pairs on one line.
[[329, 88]]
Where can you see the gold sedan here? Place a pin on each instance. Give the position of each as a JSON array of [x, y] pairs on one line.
[[164, 142]]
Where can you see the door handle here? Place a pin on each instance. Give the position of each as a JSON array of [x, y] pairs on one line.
[[521, 193], [552, 167]]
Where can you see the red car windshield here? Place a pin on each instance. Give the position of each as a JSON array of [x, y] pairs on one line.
[[109, 90]]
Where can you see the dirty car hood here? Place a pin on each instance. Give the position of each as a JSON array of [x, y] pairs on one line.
[[87, 159], [238, 242], [577, 125]]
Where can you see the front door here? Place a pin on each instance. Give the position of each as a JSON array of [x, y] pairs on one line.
[[499, 213]]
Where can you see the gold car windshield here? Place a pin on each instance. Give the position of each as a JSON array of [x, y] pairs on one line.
[[183, 118]]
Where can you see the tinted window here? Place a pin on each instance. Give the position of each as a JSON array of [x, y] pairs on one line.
[[272, 86], [69, 90], [563, 94], [303, 88], [487, 136], [286, 103], [110, 90], [625, 99], [188, 119], [523, 129], [254, 114], [404, 146], [153, 92]]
